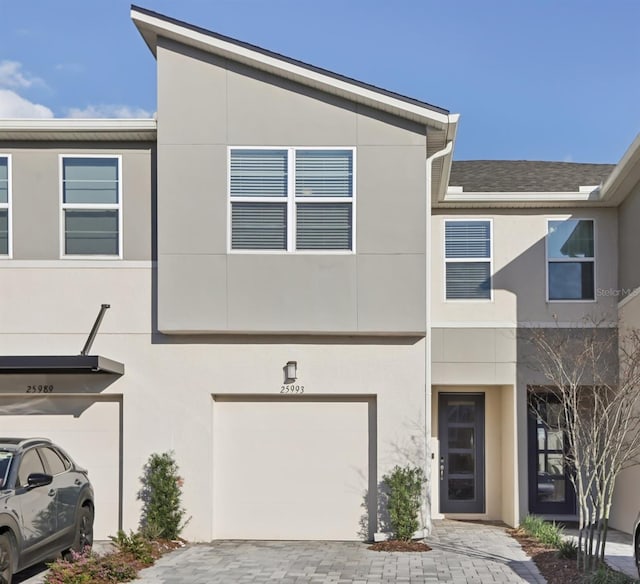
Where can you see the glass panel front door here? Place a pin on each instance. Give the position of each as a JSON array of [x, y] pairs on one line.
[[461, 434], [550, 489]]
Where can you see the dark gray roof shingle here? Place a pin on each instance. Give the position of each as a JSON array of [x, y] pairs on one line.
[[496, 176]]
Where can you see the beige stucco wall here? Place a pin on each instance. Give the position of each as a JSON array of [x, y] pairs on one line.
[[626, 501], [35, 189], [519, 280], [205, 105], [628, 243], [168, 385]]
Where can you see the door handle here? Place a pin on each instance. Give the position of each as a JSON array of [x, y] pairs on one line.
[[442, 468], [77, 482], [51, 492]]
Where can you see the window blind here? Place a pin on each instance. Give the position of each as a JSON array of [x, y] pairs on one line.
[[4, 232], [324, 173], [323, 226], [468, 280], [467, 239], [258, 225], [4, 180], [92, 232], [259, 173], [90, 180]]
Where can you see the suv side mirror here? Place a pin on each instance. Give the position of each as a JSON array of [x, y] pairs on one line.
[[38, 479]]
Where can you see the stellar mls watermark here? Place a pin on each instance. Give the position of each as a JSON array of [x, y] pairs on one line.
[[617, 292]]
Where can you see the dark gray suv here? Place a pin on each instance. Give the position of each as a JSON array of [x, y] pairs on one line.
[[46, 504]]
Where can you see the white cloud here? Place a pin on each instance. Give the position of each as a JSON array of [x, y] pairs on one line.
[[109, 111], [14, 106], [12, 75]]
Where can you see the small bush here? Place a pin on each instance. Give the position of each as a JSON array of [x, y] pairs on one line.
[[88, 568], [549, 534], [162, 512], [531, 524], [135, 544], [604, 575], [567, 550], [404, 499]]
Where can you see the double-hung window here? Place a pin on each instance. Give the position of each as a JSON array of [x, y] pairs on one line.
[[291, 199], [467, 259], [5, 204], [91, 205], [571, 259]]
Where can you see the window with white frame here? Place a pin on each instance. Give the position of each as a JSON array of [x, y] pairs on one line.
[[468, 259], [91, 205], [571, 259], [5, 199], [291, 199]]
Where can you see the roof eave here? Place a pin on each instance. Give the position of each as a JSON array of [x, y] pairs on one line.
[[625, 176], [73, 129], [523, 200], [152, 25]]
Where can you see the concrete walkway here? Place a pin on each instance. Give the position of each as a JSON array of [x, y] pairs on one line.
[[462, 552], [618, 551]]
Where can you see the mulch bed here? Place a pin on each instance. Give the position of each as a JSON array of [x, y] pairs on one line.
[[554, 569], [393, 545]]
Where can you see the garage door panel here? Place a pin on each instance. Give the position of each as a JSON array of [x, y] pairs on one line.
[[290, 469], [89, 430]]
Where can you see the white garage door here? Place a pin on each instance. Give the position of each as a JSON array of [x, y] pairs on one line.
[[89, 430], [291, 468]]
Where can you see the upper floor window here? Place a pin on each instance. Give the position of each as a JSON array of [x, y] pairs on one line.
[[571, 259], [91, 205], [291, 199], [5, 199], [468, 259]]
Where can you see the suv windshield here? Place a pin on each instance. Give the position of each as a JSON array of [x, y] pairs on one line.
[[5, 463]]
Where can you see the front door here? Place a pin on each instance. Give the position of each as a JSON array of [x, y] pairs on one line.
[[550, 488], [461, 465]]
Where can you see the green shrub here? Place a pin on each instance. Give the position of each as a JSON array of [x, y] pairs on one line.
[[568, 549], [135, 544], [404, 498], [91, 569], [162, 512], [604, 575], [549, 534], [531, 524]]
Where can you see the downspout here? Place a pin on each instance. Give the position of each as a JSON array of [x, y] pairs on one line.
[[427, 338]]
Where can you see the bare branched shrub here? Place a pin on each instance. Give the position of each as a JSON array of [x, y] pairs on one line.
[[593, 372]]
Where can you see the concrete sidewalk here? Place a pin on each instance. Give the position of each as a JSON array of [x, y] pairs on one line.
[[618, 551]]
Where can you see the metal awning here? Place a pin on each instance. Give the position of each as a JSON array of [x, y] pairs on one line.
[[60, 364]]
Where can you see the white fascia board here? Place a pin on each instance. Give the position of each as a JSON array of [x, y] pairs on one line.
[[151, 27], [78, 129], [455, 197], [78, 125], [624, 176]]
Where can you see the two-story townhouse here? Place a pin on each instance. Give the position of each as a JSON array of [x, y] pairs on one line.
[[304, 291], [263, 253], [515, 245]]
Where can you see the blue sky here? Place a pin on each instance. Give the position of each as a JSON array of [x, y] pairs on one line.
[[532, 79]]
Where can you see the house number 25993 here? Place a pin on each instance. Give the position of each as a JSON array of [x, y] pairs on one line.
[[292, 389]]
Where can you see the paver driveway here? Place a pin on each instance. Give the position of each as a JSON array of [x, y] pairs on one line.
[[462, 552]]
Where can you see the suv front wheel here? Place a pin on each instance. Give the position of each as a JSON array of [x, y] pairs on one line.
[[6, 558]]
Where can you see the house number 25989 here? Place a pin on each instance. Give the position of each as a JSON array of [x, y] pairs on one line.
[[39, 389], [292, 389]]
